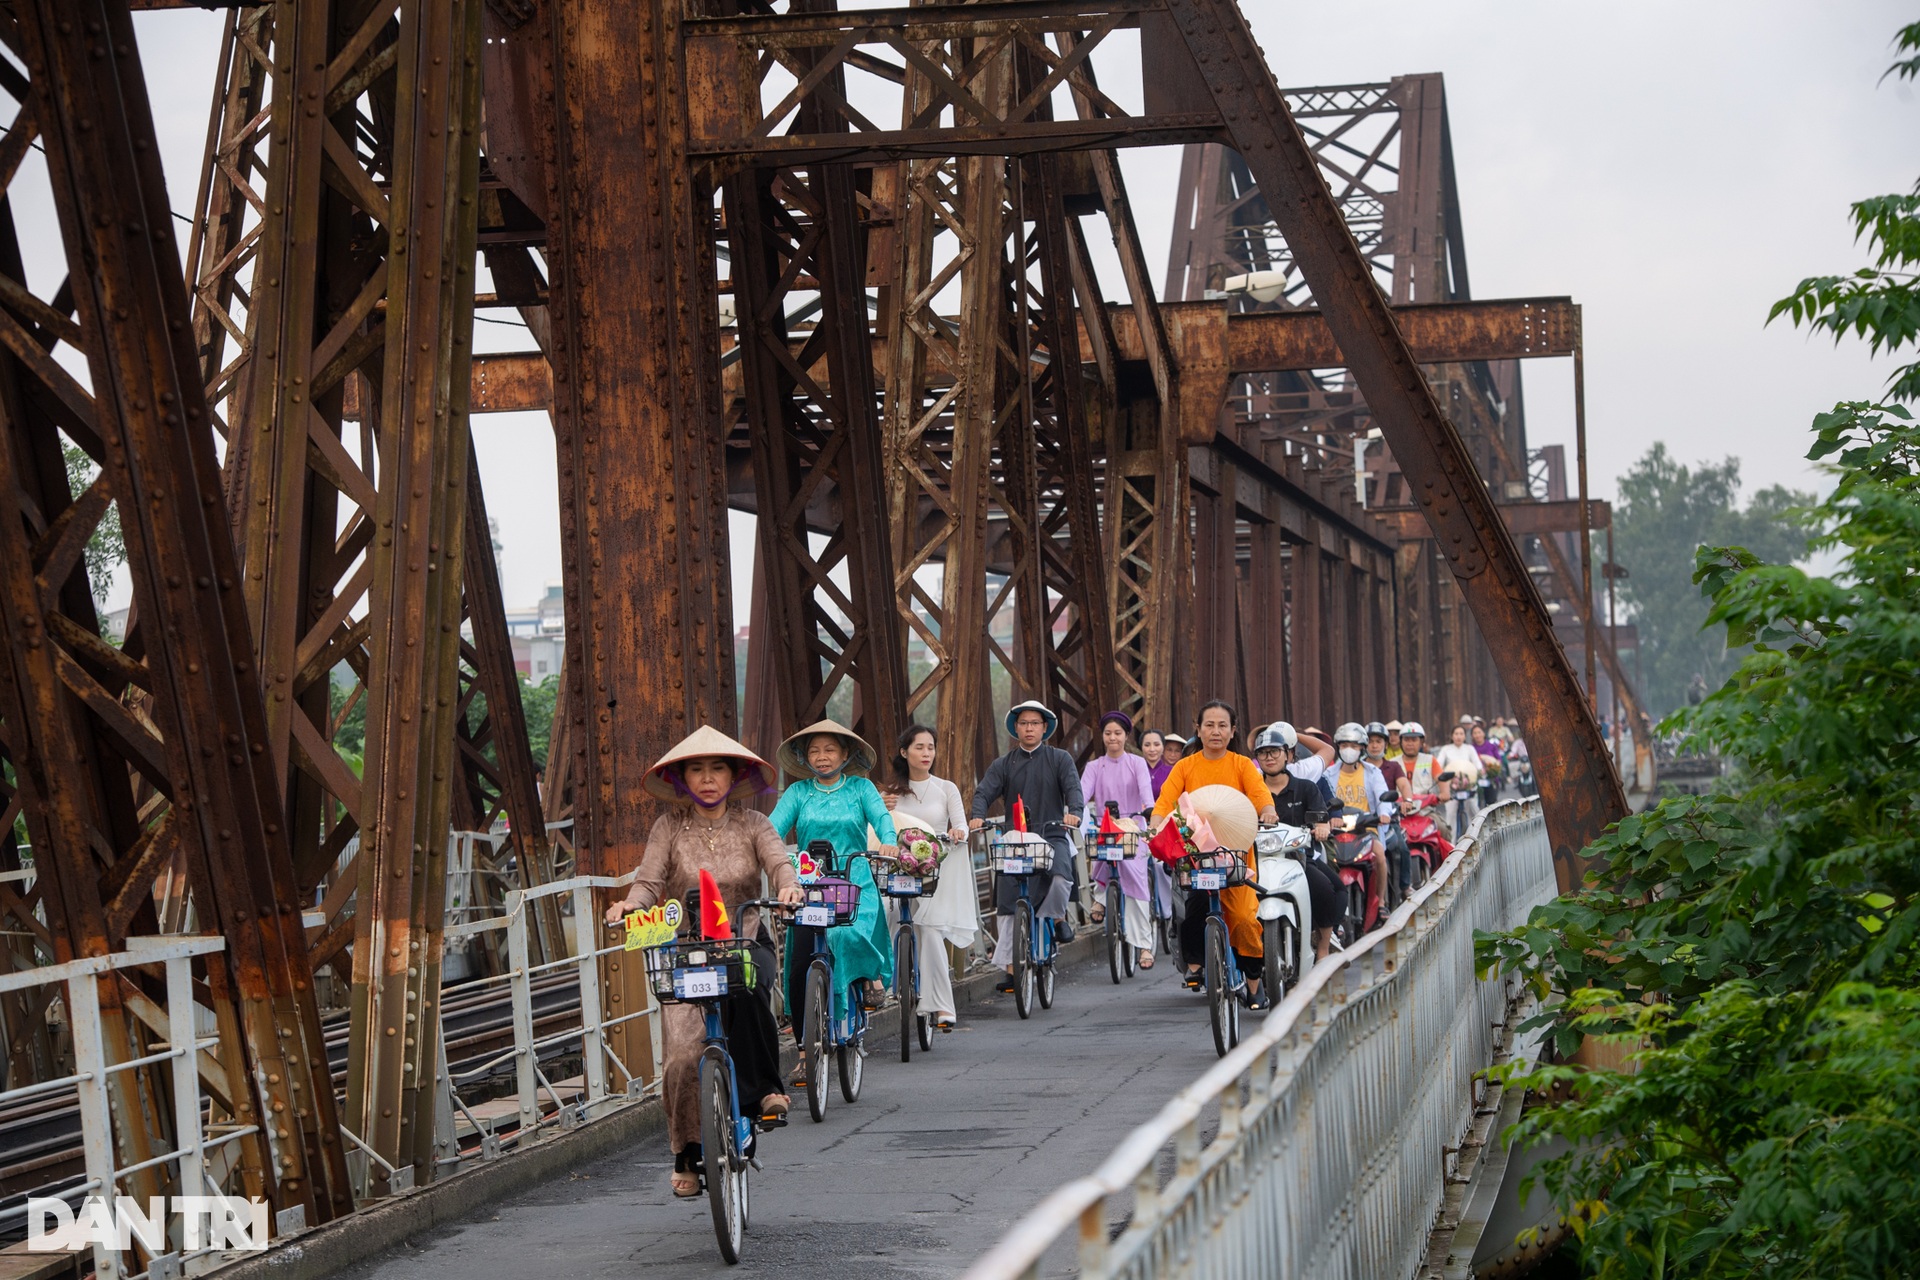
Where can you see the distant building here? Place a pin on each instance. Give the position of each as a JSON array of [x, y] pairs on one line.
[[539, 635]]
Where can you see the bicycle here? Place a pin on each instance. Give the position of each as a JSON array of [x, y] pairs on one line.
[[835, 1018], [704, 972], [1226, 987], [904, 887], [1033, 944], [1112, 850]]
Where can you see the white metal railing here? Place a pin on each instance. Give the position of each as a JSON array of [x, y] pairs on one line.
[[1336, 1123], [91, 1077], [596, 1053]]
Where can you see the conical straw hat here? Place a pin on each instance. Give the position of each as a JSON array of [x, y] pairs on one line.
[[754, 774], [792, 754], [1230, 814]]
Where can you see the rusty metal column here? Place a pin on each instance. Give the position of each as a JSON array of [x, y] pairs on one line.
[[1578, 784], [636, 412], [413, 597], [150, 411], [638, 422]]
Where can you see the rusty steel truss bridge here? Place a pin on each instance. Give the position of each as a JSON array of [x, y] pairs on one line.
[[839, 268]]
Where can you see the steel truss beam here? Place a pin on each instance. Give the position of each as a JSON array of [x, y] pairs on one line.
[[156, 754], [1578, 783]]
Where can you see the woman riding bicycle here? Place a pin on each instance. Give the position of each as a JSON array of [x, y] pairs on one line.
[[952, 914], [835, 802], [706, 830], [1122, 779], [1216, 763]]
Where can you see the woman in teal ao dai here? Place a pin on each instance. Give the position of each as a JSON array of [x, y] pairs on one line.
[[834, 801]]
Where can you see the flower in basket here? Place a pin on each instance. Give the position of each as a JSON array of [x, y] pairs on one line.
[[919, 857]]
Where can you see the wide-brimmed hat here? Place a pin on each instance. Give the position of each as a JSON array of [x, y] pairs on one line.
[[1229, 812], [753, 775], [792, 754], [1013, 713]]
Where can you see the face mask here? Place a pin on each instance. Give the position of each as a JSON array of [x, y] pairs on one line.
[[1350, 754]]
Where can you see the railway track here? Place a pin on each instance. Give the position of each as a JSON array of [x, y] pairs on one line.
[[40, 1146]]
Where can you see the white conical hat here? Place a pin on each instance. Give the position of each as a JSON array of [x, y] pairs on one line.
[[754, 774], [1229, 812], [792, 754]]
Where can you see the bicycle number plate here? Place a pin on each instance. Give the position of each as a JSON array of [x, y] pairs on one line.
[[1109, 853], [817, 917], [1209, 879], [1016, 866], [699, 984], [909, 885]]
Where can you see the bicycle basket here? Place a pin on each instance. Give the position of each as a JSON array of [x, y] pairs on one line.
[[690, 970], [1114, 848], [1221, 869], [830, 901], [1025, 858]]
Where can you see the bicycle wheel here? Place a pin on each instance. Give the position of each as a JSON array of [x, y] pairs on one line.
[[1116, 932], [726, 1170], [853, 1058], [1043, 968], [1223, 1009], [1023, 959], [906, 985], [815, 1032]]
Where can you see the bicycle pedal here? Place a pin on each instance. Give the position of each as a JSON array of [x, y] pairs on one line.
[[771, 1121]]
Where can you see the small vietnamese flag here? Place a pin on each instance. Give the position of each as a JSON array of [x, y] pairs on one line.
[[1169, 846], [1019, 815], [1108, 827], [714, 925]]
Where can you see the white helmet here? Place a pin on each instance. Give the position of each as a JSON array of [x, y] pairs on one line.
[[1413, 729], [1350, 732], [1278, 734]]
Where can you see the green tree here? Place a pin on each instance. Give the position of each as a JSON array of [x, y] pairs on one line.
[[1756, 947], [537, 702], [1665, 510], [106, 549]]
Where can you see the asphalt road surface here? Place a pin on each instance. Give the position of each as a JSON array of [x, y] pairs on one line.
[[938, 1158]]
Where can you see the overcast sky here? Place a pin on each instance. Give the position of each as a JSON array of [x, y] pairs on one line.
[[1673, 167]]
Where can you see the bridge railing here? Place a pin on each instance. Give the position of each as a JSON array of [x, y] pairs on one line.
[[1336, 1122]]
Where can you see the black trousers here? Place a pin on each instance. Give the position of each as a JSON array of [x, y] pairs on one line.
[[1323, 894], [1193, 937]]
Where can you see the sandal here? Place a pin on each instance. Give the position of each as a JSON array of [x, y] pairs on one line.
[[1146, 959], [1097, 914], [774, 1108], [686, 1186]]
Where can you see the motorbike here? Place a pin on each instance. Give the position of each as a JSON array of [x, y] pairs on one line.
[[1426, 842], [1521, 770], [1286, 915], [1351, 851]]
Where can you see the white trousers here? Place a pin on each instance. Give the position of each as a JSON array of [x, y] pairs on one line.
[[936, 980]]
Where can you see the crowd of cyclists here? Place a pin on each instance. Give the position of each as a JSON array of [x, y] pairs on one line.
[[1367, 811]]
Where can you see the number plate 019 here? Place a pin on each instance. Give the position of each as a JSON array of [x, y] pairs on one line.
[[699, 984], [814, 917], [1209, 879]]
